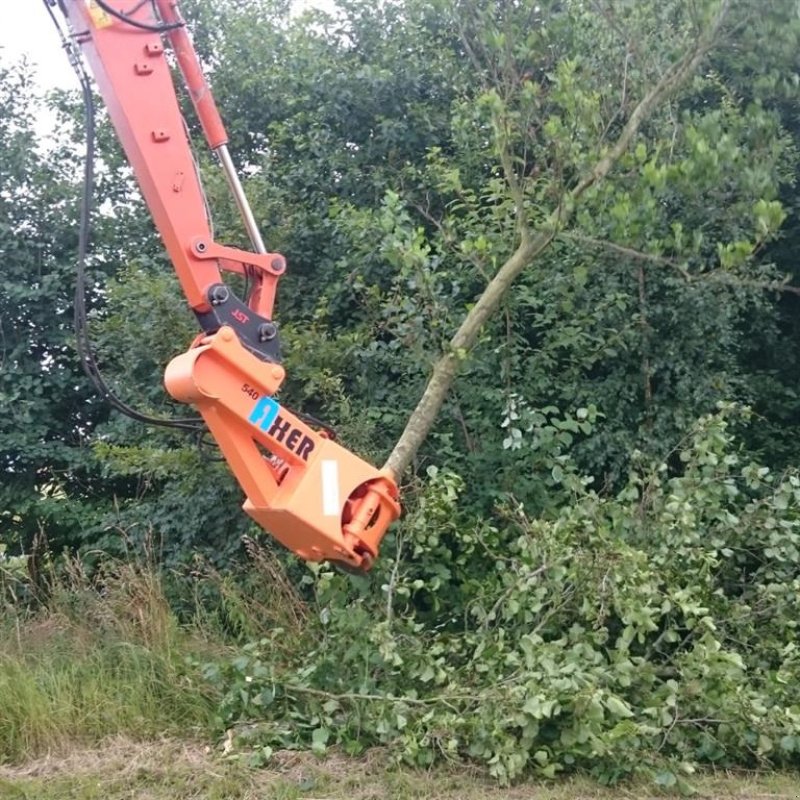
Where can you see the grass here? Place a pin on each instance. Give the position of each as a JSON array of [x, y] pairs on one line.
[[98, 701], [105, 655], [177, 770], [97, 664]]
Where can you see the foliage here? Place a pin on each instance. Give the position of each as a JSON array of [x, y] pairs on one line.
[[649, 632], [13, 576], [45, 419], [570, 588], [379, 167]]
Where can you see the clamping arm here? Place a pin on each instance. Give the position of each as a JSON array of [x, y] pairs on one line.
[[313, 495]]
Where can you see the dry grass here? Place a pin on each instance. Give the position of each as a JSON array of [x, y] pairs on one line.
[[177, 770]]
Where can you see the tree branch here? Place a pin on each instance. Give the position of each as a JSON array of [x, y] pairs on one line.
[[628, 252], [662, 261], [445, 369], [514, 186], [671, 80]]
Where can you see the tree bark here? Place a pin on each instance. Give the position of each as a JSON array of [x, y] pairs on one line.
[[532, 245]]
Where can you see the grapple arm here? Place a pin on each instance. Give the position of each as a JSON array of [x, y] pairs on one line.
[[317, 498]]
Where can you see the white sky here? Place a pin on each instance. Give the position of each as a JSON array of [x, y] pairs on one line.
[[27, 30]]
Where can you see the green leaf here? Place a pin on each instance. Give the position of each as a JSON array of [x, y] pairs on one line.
[[319, 740], [618, 707], [666, 779]]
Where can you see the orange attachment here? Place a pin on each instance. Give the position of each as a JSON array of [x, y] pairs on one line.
[[310, 493]]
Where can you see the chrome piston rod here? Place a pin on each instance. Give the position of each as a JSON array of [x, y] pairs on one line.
[[241, 199]]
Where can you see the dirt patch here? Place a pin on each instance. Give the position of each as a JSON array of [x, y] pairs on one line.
[[118, 755], [171, 769]]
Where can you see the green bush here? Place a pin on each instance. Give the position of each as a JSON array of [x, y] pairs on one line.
[[654, 630]]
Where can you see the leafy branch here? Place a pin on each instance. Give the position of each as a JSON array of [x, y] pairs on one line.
[[663, 261], [532, 243]]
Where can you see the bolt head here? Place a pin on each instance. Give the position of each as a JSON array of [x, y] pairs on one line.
[[218, 294], [267, 331]]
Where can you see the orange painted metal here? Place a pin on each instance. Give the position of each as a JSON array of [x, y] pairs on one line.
[[199, 91], [310, 493], [313, 495]]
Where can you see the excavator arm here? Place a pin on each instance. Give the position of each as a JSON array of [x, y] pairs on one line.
[[313, 495]]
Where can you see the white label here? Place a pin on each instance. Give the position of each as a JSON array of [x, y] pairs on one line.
[[331, 507]]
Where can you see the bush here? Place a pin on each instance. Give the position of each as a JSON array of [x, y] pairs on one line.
[[654, 630]]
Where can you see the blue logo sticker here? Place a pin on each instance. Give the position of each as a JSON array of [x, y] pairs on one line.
[[264, 413]]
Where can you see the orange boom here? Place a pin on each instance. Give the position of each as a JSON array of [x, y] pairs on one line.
[[313, 495]]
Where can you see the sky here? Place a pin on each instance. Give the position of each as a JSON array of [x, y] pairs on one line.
[[27, 30]]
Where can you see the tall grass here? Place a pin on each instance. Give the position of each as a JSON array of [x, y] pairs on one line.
[[106, 654], [102, 657]]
